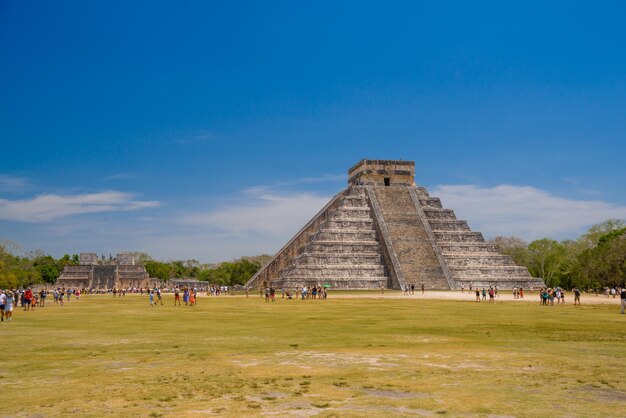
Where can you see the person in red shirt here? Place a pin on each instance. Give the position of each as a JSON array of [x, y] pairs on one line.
[[28, 298]]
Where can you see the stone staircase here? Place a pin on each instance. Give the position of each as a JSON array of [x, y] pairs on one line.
[[103, 277], [409, 238], [345, 251], [471, 260]]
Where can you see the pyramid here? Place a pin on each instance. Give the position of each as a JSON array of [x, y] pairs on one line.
[[383, 230]]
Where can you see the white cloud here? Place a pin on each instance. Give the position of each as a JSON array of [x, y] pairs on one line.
[[48, 207], [11, 183], [524, 211], [262, 212]]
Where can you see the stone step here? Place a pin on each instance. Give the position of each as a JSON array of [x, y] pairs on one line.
[[342, 236], [334, 258], [458, 236], [432, 202], [479, 261], [359, 224], [467, 247], [449, 225], [421, 192], [363, 283], [333, 247], [434, 213]]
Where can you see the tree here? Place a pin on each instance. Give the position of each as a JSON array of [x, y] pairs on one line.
[[591, 238], [605, 264], [514, 247], [48, 268], [546, 259], [158, 269]]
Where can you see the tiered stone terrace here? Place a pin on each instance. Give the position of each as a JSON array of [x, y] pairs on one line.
[[344, 251], [383, 229]]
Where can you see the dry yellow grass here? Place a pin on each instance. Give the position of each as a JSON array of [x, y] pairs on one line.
[[235, 356]]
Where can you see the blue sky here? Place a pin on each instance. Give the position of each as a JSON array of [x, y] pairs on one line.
[[211, 130]]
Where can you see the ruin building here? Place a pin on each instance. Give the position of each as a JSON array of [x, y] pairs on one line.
[[383, 230], [120, 272]]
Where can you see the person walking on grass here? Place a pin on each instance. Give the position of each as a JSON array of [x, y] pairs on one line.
[[176, 296], [622, 296], [267, 294], [159, 297], [28, 299], [8, 305], [576, 296], [151, 298], [3, 299]]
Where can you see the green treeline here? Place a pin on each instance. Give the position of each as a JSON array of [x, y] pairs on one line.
[[595, 260], [38, 267], [229, 273]]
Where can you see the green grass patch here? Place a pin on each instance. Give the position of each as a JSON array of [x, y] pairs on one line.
[[350, 357]]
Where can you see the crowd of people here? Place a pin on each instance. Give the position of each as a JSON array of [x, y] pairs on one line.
[[29, 300]]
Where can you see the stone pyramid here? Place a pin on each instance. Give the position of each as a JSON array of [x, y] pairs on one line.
[[384, 230]]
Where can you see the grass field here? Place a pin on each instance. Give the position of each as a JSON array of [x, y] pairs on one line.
[[233, 356]]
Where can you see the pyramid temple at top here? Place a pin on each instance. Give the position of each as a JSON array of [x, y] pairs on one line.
[[384, 230]]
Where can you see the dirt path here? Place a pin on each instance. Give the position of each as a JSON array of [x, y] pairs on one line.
[[504, 296]]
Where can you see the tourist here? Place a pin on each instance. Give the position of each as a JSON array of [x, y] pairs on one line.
[[176, 296], [28, 299], [8, 305], [521, 293], [151, 298], [267, 294], [622, 296], [484, 292], [3, 298], [282, 291], [159, 297], [576, 296], [192, 298], [422, 288], [42, 298], [491, 294], [273, 293], [477, 295], [313, 292], [61, 296], [413, 288], [382, 290]]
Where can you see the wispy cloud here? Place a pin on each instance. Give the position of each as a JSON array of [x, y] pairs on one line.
[[194, 138], [524, 211], [121, 176], [263, 212], [12, 183], [48, 207]]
